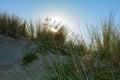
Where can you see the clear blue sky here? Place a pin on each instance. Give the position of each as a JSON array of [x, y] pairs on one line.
[[89, 11]]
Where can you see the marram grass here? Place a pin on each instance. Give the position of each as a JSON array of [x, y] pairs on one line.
[[97, 61], [12, 25]]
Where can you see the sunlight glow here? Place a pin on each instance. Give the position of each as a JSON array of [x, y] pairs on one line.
[[53, 29], [58, 14]]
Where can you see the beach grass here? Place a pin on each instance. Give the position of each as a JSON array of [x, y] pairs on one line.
[[99, 60], [12, 25]]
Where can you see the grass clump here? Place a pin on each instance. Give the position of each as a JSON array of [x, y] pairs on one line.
[[49, 39], [63, 71], [29, 57], [106, 41], [104, 51], [31, 32], [12, 25], [73, 69]]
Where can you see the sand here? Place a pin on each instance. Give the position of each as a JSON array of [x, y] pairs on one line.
[[11, 53]]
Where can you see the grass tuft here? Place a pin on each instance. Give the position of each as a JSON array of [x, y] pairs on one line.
[[12, 25], [29, 58]]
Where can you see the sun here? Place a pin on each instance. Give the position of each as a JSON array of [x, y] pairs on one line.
[[59, 15], [53, 29]]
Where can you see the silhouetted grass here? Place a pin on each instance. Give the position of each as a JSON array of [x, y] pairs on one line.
[[48, 39], [104, 44], [101, 63], [106, 41], [12, 25]]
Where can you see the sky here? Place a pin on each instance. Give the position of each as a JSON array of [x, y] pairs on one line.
[[74, 13]]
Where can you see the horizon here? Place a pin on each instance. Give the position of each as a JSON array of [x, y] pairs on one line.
[[75, 14]]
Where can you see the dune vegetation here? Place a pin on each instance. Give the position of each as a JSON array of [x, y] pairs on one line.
[[98, 60]]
